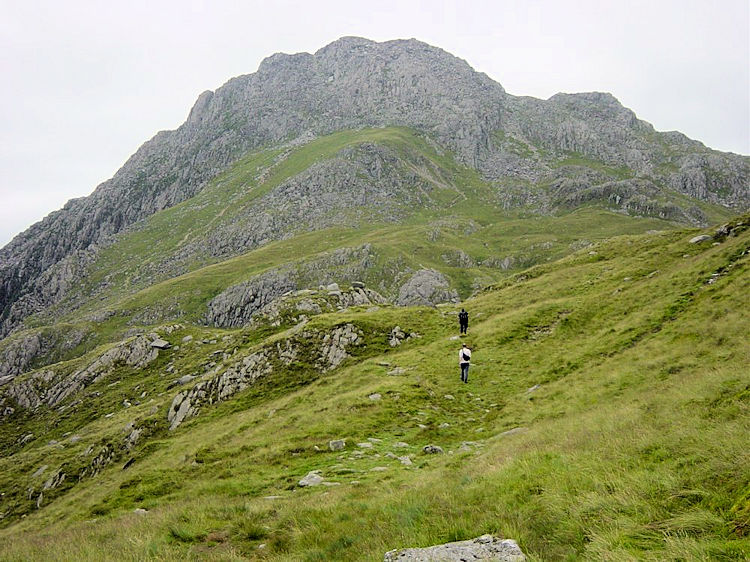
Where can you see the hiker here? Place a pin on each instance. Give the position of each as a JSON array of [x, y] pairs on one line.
[[464, 357], [463, 321]]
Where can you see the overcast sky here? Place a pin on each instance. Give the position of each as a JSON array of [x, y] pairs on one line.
[[84, 84]]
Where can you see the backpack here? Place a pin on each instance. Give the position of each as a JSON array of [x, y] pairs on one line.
[[466, 357]]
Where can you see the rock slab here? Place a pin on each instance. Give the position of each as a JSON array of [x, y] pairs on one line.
[[486, 547]]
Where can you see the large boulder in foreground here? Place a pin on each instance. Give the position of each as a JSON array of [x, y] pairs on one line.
[[426, 287], [485, 547]]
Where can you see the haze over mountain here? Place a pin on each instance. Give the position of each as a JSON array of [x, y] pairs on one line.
[[312, 220]]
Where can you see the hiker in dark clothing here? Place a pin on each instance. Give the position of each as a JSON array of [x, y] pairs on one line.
[[463, 321], [464, 358]]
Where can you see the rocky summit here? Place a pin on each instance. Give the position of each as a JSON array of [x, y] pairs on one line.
[[538, 155], [244, 345]]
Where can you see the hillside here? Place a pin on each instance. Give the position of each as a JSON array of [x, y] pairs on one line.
[[268, 295], [381, 206], [604, 418], [532, 156]]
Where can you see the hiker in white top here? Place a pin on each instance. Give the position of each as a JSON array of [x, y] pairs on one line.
[[464, 358]]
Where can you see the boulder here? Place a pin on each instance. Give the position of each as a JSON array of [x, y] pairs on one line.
[[337, 444], [432, 449], [313, 478], [159, 343], [699, 239], [426, 287], [486, 547], [396, 337]]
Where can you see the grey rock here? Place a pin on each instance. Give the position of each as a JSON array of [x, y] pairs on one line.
[[55, 480], [427, 287], [161, 344], [337, 444], [38, 347], [236, 306], [133, 437], [268, 296], [486, 547], [406, 460], [331, 349], [313, 478], [396, 337], [700, 238], [432, 449], [375, 396], [47, 387], [334, 346]]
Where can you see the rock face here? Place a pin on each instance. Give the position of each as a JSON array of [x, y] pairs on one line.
[[270, 295], [20, 353], [237, 305], [325, 351], [426, 287], [485, 547], [350, 84], [50, 388]]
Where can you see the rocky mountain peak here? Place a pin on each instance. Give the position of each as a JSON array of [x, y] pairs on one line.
[[355, 83]]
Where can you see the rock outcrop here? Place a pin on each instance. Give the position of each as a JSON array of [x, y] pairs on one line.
[[427, 287], [485, 547], [272, 296], [324, 351], [51, 389]]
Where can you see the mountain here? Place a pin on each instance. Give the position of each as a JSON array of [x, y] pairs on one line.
[[536, 155], [282, 273]]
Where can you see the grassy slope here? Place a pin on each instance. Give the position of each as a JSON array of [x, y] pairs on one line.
[[463, 218], [635, 443]]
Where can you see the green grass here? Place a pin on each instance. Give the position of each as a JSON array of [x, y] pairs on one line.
[[634, 444]]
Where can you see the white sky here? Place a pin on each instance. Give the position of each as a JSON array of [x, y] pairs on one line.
[[85, 83]]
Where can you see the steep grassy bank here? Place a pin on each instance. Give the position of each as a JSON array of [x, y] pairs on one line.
[[605, 418]]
